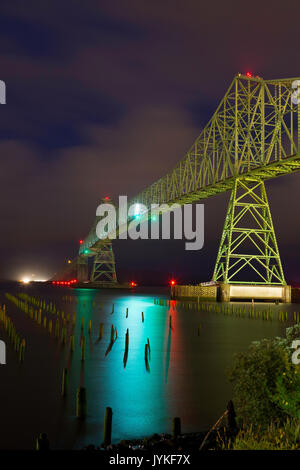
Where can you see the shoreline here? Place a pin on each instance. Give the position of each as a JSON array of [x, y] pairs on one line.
[[163, 443]]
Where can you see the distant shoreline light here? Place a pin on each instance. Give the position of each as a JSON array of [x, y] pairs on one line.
[[27, 280]]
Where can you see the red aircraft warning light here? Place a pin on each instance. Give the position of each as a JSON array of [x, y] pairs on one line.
[[172, 282], [249, 74], [133, 284], [80, 242]]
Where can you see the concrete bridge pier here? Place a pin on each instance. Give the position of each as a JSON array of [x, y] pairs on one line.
[[225, 292], [228, 292], [82, 269]]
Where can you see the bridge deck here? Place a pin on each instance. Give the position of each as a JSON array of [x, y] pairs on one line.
[[270, 171], [254, 132]]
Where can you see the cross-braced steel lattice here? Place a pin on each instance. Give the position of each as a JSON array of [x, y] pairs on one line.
[[104, 269], [248, 245]]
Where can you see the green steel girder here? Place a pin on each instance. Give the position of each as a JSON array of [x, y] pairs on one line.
[[255, 125], [255, 130]]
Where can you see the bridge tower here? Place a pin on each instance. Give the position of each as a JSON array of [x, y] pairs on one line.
[[104, 266], [248, 244], [82, 269]]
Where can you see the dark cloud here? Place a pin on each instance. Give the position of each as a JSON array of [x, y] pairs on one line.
[[53, 113], [28, 38], [105, 97]]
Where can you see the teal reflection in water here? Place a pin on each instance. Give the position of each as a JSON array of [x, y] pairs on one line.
[[187, 376], [136, 396]]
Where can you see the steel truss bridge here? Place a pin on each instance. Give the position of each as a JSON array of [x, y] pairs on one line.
[[253, 136]]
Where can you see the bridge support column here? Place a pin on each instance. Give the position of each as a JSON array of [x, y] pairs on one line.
[[248, 252], [224, 292], [287, 297], [82, 269], [104, 267]]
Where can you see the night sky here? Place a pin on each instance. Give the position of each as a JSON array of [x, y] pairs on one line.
[[103, 98]]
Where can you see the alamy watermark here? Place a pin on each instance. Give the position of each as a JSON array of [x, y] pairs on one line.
[[140, 222], [2, 92], [296, 353], [2, 353], [296, 93]]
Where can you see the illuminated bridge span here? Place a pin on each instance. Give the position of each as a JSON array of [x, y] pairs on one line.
[[253, 136]]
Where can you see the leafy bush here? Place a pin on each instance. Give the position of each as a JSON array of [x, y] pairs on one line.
[[266, 382], [287, 392]]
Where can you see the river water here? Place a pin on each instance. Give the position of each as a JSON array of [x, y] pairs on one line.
[[187, 376]]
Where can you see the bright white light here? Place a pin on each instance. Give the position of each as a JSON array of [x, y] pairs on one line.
[[137, 209], [27, 279]]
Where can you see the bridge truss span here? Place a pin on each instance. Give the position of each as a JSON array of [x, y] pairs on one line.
[[254, 134], [256, 125]]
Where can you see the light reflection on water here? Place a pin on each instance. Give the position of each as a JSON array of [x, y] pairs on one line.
[[187, 376]]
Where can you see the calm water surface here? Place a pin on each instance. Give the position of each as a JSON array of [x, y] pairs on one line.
[[187, 377]]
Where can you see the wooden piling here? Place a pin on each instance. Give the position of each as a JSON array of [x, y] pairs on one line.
[[22, 350], [146, 354], [64, 383], [81, 403], [176, 427], [112, 334], [57, 329], [149, 350], [83, 348], [63, 334], [107, 426], [72, 343]]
